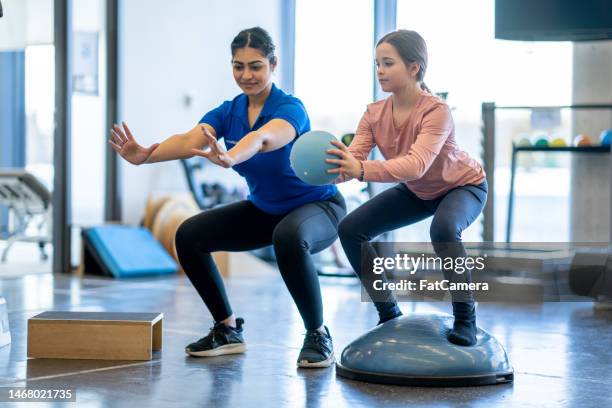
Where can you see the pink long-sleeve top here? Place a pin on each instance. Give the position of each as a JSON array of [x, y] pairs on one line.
[[422, 152]]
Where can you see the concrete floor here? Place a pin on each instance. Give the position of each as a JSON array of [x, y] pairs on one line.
[[560, 351]]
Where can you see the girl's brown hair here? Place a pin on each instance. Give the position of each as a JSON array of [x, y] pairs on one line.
[[412, 48]]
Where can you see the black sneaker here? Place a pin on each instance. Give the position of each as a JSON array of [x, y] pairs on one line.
[[386, 319], [317, 351], [221, 340]]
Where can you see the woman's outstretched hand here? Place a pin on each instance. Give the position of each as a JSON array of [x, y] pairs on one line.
[[122, 141], [347, 163], [215, 154]]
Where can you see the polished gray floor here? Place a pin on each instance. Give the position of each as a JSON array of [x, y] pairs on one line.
[[561, 352]]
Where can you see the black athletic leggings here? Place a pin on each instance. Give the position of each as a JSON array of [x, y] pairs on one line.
[[396, 207], [241, 227]]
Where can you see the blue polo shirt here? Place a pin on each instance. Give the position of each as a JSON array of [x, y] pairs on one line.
[[273, 186]]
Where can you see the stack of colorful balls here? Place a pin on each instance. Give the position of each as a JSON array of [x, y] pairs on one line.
[[581, 140], [584, 140]]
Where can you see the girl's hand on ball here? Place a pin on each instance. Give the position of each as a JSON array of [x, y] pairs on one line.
[[348, 164], [215, 154]]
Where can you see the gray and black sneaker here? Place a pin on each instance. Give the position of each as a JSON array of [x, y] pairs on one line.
[[317, 351], [220, 340]]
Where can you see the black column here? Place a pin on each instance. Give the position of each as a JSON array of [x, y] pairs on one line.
[[112, 199], [61, 139], [488, 158]]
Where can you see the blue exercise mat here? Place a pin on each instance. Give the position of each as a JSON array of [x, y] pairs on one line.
[[125, 251]]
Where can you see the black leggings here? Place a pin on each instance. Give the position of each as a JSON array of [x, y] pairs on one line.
[[241, 227], [397, 207]]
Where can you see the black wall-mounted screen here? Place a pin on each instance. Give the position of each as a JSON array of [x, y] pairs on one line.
[[553, 20]]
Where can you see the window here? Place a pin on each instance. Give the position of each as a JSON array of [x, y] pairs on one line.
[[334, 61], [466, 61]]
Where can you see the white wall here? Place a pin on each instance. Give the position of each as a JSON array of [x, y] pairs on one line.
[[88, 134], [88, 144], [169, 50], [26, 22]]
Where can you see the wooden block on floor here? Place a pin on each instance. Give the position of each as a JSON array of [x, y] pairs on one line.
[[95, 335]]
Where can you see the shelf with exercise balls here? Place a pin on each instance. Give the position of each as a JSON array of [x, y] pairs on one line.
[[577, 144], [582, 144]]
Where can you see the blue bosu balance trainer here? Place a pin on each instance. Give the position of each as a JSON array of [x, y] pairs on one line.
[[123, 251], [414, 350]]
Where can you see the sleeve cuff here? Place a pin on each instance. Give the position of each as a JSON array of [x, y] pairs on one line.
[[371, 170]]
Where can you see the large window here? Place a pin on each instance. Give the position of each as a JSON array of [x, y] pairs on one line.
[[466, 61], [27, 86], [40, 94], [334, 69], [334, 60]]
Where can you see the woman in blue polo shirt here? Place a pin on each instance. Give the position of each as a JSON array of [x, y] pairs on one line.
[[259, 128]]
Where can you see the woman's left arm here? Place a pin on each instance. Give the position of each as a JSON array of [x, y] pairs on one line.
[[288, 120], [271, 136]]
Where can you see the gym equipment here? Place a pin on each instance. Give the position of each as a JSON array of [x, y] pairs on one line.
[[583, 141], [591, 274], [442, 95], [124, 251], [152, 207], [169, 218], [206, 194], [558, 142], [347, 138], [605, 138], [95, 335], [541, 142], [495, 128], [414, 350], [30, 203], [524, 142], [514, 163], [5, 333], [308, 157]]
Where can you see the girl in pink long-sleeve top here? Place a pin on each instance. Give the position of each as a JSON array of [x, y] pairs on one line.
[[415, 133]]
